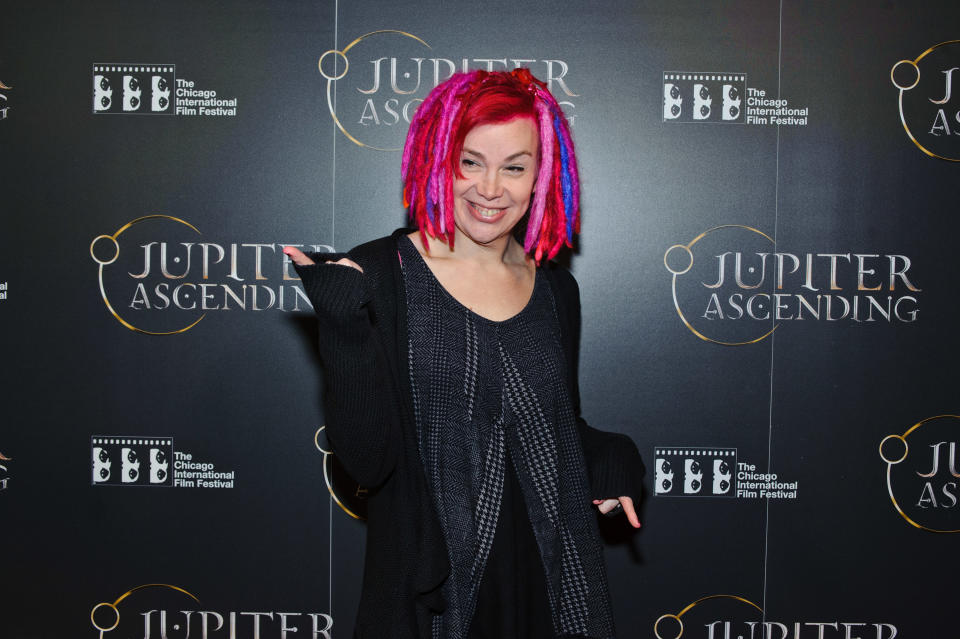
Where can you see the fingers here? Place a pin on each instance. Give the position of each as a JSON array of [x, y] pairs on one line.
[[346, 261], [630, 512], [296, 256], [607, 506], [299, 258]]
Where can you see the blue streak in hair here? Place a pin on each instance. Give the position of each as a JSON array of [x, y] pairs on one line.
[[566, 185], [431, 205]]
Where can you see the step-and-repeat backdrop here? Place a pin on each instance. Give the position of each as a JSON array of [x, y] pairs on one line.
[[769, 276]]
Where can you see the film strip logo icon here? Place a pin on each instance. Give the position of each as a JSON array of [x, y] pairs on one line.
[[134, 88], [704, 97], [4, 109], [131, 461], [4, 477], [685, 471]]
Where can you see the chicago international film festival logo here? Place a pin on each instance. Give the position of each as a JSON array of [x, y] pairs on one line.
[[134, 88], [154, 89], [125, 460], [169, 612], [732, 286], [923, 473], [166, 279], [695, 471], [928, 101], [375, 83], [131, 461], [704, 97], [711, 471], [723, 97]]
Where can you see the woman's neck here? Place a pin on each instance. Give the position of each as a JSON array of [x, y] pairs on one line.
[[504, 250]]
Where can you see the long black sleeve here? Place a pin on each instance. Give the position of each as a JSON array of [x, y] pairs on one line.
[[360, 403]]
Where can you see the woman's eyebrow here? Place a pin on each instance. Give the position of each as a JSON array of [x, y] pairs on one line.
[[512, 157]]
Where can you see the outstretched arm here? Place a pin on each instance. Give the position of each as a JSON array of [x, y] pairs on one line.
[[359, 397]]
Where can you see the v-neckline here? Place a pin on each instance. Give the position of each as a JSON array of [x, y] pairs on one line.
[[460, 305]]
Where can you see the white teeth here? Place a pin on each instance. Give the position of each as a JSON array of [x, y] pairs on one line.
[[485, 212]]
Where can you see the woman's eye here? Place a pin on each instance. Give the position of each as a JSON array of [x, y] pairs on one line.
[[516, 169], [467, 162]]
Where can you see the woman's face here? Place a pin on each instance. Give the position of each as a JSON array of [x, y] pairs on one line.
[[499, 167]]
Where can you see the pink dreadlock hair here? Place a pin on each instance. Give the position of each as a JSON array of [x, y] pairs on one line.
[[431, 155]]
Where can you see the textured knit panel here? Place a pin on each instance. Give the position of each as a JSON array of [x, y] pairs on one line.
[[483, 389]]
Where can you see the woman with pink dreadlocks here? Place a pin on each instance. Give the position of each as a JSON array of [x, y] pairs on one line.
[[450, 368]]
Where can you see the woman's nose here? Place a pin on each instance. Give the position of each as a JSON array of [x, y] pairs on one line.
[[488, 186]]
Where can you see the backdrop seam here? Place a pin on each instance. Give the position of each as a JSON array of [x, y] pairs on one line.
[[773, 335], [333, 244]]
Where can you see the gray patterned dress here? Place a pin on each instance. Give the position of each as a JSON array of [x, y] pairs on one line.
[[498, 441]]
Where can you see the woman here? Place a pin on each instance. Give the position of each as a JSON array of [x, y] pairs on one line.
[[450, 357]]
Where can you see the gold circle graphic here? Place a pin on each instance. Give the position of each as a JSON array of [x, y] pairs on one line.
[[116, 250], [116, 612], [346, 64], [906, 448], [656, 624], [689, 255], [316, 441], [916, 70]]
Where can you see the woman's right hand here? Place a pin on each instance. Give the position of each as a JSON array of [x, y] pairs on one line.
[[300, 259]]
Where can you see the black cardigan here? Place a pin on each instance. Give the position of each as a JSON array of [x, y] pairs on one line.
[[370, 425]]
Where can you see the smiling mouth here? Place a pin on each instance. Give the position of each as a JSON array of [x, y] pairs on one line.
[[485, 212]]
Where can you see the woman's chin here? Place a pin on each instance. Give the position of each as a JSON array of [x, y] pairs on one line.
[[486, 231]]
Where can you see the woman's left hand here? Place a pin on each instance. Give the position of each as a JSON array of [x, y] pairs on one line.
[[607, 505]]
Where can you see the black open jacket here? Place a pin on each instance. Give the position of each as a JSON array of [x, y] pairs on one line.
[[370, 425]]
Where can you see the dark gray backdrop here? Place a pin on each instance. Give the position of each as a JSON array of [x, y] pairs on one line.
[[810, 402]]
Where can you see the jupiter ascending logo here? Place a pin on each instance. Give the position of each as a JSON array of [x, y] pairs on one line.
[[735, 617], [158, 276], [731, 286], [923, 473], [168, 611], [375, 83], [929, 99]]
